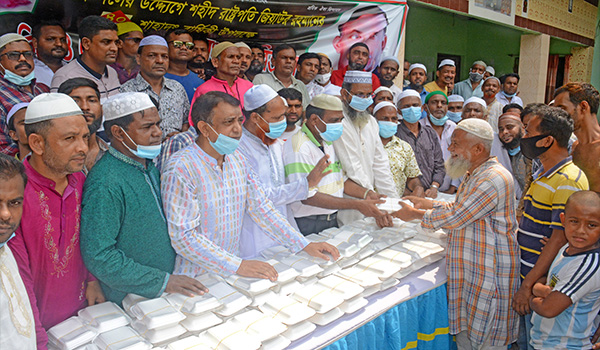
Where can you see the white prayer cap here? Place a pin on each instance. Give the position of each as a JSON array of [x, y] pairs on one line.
[[490, 70], [48, 106], [9, 38], [479, 62], [493, 78], [446, 62], [358, 77], [456, 98], [390, 58], [258, 96], [476, 100], [241, 44], [15, 109], [417, 65], [327, 102], [154, 40], [477, 127], [220, 47], [383, 104], [124, 104], [383, 88], [408, 93]]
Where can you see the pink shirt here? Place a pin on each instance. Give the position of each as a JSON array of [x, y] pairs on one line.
[[46, 248], [239, 88]]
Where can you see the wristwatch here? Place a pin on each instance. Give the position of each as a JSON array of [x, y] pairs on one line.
[[435, 186]]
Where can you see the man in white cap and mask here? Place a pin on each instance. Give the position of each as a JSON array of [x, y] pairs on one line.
[[417, 76], [388, 71], [265, 123], [46, 245], [483, 253], [472, 86], [445, 74], [455, 107], [322, 83], [302, 155], [205, 214], [17, 83], [113, 223], [173, 103], [359, 149], [423, 140]]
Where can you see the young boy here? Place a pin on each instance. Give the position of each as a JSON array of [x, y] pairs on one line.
[[565, 307], [15, 121]]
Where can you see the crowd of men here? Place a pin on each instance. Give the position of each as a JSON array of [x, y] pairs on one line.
[[150, 159]]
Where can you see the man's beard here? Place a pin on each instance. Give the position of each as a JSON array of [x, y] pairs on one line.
[[415, 87], [195, 65], [256, 67], [514, 143], [95, 125], [385, 82], [356, 66], [291, 122], [358, 118], [457, 167]]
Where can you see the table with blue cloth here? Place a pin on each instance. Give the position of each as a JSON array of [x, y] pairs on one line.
[[411, 315]]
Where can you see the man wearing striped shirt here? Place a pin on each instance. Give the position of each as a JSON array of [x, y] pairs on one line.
[[547, 139]]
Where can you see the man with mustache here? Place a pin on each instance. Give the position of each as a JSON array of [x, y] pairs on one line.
[[85, 93], [294, 114], [98, 38], [173, 104], [130, 35], [258, 61], [200, 52], [181, 46], [490, 88], [444, 80], [309, 65], [322, 82], [17, 332], [245, 58], [507, 149], [483, 253], [17, 83], [357, 56], [417, 76], [388, 71], [472, 86], [50, 45], [46, 245]]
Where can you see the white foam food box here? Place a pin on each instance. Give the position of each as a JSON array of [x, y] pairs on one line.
[[189, 343], [382, 267], [285, 273], [249, 285], [361, 239], [364, 277], [259, 299], [354, 304], [306, 268], [120, 339], [104, 317], [262, 326], [130, 300], [228, 336], [193, 305], [155, 313], [321, 262], [287, 310], [328, 317], [277, 252], [71, 333], [299, 330], [158, 335], [197, 323], [389, 283], [318, 297], [288, 288], [337, 285], [232, 300], [278, 343]]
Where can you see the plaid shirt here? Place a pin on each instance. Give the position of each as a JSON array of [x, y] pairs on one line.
[[483, 254], [10, 95]]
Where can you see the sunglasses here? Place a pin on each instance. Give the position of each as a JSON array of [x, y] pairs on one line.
[[178, 44], [15, 55], [135, 40]]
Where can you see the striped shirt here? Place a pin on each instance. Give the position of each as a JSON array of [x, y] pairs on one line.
[[300, 155], [543, 203], [205, 206], [483, 255], [577, 277]]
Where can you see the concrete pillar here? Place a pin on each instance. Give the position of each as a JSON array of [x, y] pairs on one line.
[[581, 64], [533, 67]]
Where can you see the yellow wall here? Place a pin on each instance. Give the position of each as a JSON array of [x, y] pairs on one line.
[[581, 21], [581, 64]]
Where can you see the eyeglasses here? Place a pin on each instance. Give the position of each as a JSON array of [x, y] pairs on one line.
[[135, 40], [178, 44], [361, 95], [15, 55]]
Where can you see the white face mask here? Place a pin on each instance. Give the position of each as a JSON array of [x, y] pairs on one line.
[[323, 78]]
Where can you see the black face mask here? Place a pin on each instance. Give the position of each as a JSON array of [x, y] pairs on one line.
[[530, 150]]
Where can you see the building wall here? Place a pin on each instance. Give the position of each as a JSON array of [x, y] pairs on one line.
[[555, 13]]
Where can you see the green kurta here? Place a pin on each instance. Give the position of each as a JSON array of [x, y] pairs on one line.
[[124, 238]]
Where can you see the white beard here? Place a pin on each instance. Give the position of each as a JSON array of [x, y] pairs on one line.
[[457, 167], [357, 118]]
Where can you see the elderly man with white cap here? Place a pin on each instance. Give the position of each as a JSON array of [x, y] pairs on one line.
[[403, 164], [471, 86], [417, 76], [483, 253], [46, 245], [489, 72], [225, 57], [455, 107], [304, 152], [359, 149], [474, 107], [444, 77], [205, 214], [173, 103], [423, 140], [17, 83], [265, 122], [113, 223], [388, 71]]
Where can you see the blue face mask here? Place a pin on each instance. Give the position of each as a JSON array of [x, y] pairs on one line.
[[360, 103], [332, 132], [9, 238], [224, 144], [438, 122], [275, 129], [146, 152], [514, 151], [454, 116], [508, 95], [17, 79], [411, 114], [387, 129]]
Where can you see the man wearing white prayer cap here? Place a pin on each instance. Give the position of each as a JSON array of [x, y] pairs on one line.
[[455, 107], [381, 94], [57, 133], [359, 149], [417, 76], [491, 88], [245, 58], [15, 120], [304, 151], [265, 122], [483, 228], [388, 71], [489, 72], [113, 223], [474, 107], [173, 102], [446, 71], [471, 86]]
